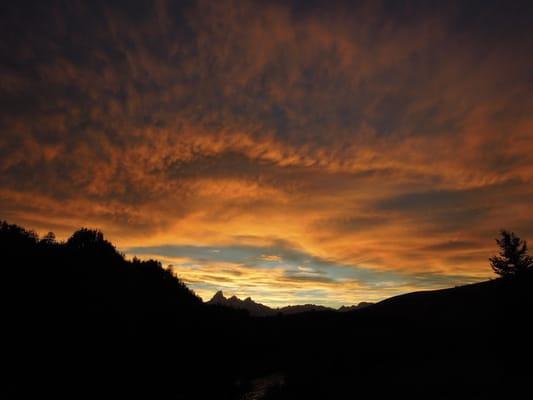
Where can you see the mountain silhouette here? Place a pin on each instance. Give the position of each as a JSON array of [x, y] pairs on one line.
[[261, 310], [253, 308], [354, 307]]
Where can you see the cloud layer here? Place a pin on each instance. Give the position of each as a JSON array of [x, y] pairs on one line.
[[388, 141]]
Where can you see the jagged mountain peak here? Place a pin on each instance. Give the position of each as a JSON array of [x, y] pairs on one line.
[[218, 298], [258, 309]]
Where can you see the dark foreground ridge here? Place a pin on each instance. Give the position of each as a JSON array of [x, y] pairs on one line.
[[82, 321]]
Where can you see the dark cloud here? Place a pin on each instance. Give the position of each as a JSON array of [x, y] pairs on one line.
[[452, 245], [445, 199], [347, 224], [450, 210]]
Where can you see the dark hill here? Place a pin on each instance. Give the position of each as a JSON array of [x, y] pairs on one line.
[[469, 342], [80, 321], [483, 303]]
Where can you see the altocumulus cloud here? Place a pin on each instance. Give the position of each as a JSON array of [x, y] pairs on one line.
[[368, 134]]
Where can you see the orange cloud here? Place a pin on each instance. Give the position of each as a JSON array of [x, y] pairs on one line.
[[374, 136]]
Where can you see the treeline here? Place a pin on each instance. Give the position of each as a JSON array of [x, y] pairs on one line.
[[90, 268], [80, 318]]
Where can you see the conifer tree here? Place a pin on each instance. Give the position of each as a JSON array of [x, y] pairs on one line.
[[513, 259]]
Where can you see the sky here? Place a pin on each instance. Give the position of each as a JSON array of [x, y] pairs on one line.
[[325, 152]]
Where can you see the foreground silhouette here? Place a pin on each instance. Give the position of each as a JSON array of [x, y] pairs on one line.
[[513, 260], [82, 321]]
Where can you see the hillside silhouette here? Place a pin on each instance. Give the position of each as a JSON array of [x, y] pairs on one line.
[[83, 321]]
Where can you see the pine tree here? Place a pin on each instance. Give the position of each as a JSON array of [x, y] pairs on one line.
[[513, 259]]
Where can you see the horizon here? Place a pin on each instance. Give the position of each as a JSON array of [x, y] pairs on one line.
[[206, 296], [323, 152]]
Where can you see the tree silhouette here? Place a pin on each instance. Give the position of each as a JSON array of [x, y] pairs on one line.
[[513, 259], [49, 239], [87, 238]]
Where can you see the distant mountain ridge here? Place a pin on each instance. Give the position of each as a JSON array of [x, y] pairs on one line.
[[261, 310]]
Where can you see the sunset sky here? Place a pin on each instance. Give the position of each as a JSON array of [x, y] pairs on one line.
[[325, 152]]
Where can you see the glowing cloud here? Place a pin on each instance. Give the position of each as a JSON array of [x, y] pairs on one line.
[[326, 152]]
